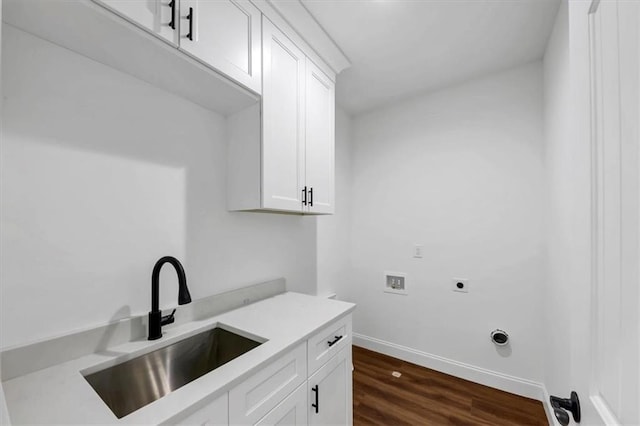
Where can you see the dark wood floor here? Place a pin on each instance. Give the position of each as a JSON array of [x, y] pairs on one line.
[[426, 397]]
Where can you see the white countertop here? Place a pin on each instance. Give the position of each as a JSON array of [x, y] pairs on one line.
[[60, 394]]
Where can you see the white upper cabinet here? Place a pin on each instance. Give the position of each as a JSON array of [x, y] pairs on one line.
[[157, 16], [225, 34], [281, 150], [283, 92], [319, 140], [281, 157]]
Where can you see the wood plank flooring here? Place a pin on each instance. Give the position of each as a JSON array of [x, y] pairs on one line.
[[426, 397]]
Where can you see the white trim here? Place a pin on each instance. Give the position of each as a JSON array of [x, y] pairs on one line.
[[602, 408], [494, 379], [296, 14], [324, 54]]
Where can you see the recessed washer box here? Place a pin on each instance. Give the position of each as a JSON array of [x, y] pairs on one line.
[[395, 282], [460, 285]]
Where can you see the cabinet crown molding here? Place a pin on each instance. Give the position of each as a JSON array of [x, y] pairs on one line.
[[293, 15]]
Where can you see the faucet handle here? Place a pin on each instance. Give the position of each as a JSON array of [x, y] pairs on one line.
[[168, 319]]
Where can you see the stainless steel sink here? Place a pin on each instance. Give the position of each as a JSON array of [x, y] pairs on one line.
[[133, 384]]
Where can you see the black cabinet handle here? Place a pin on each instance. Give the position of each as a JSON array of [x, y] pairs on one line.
[[331, 343], [172, 23], [317, 404], [304, 196], [311, 197], [190, 18]]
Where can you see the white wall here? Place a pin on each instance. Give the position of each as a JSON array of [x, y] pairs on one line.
[[560, 173], [102, 174], [459, 171], [333, 239]]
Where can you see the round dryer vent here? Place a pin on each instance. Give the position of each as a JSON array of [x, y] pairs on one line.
[[499, 337]]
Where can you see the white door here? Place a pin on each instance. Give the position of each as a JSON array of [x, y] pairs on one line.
[[283, 69], [225, 34], [157, 16], [320, 140], [606, 325], [329, 392]]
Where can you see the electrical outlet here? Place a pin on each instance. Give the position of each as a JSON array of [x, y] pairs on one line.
[[395, 282], [418, 250], [461, 285]]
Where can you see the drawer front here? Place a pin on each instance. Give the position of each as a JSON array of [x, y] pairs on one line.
[[321, 346], [260, 393], [292, 411]]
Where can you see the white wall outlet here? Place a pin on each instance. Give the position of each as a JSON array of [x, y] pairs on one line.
[[395, 282], [418, 250], [461, 285]]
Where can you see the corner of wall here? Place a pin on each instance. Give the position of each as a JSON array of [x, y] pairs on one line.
[[333, 231], [557, 132]]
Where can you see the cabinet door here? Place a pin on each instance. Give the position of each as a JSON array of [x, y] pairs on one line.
[[320, 139], [213, 414], [283, 68], [330, 392], [152, 15], [291, 411], [259, 394], [225, 34]]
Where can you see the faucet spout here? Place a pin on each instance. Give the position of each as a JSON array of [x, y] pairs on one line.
[[156, 321]]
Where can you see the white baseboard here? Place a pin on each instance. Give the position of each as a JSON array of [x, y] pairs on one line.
[[505, 382]]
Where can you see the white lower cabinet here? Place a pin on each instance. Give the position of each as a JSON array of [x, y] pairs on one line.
[[330, 392], [309, 385], [215, 413], [291, 411]]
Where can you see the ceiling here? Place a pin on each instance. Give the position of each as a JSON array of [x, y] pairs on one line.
[[399, 48]]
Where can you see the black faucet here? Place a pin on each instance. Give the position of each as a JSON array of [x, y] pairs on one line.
[[156, 320]]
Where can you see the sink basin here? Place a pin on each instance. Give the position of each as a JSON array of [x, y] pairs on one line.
[[133, 384]]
